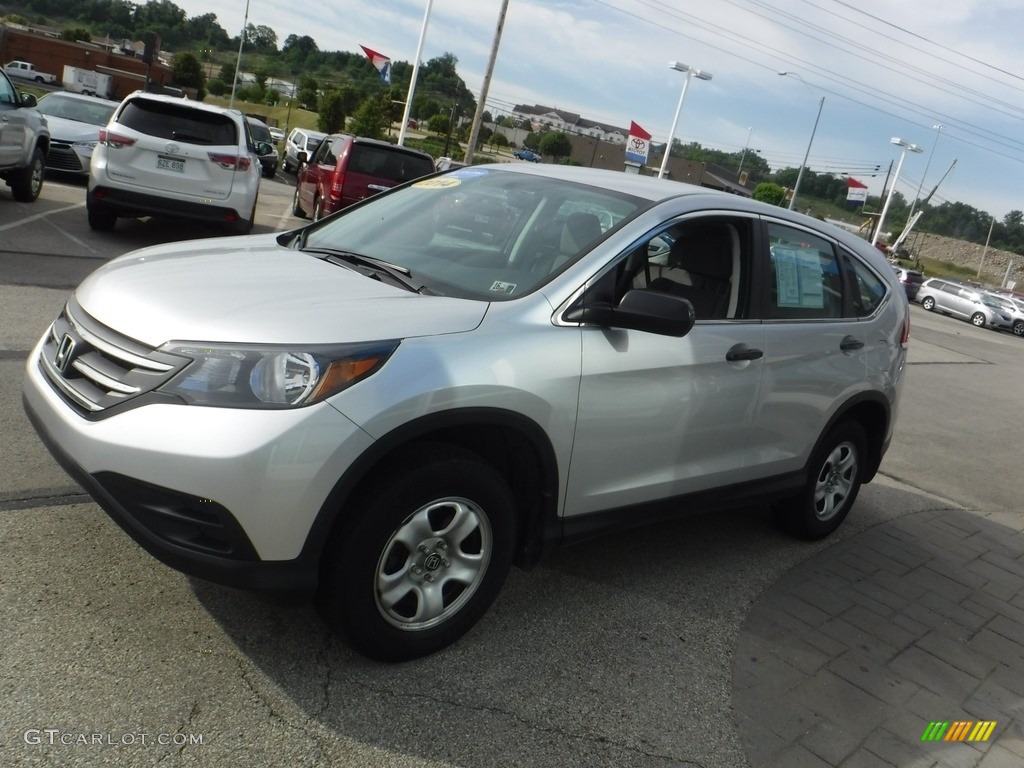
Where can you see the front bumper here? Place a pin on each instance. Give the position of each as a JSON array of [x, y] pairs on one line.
[[227, 495]]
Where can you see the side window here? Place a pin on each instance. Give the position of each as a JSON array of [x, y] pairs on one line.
[[323, 154], [805, 279], [7, 93], [950, 288], [704, 260], [868, 289]]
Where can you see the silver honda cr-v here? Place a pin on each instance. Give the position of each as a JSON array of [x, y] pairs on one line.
[[393, 405]]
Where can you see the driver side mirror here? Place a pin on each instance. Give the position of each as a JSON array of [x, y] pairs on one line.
[[264, 148], [303, 158], [640, 310], [28, 100]]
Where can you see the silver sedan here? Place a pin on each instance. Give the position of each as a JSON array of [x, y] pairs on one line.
[[75, 121]]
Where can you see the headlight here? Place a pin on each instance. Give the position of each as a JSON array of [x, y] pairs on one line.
[[241, 376]]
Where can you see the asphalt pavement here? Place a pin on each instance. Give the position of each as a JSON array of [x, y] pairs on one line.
[[711, 641]]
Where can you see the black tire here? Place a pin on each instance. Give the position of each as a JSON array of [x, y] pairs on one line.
[[978, 320], [318, 208], [833, 482], [26, 183], [424, 554], [101, 220], [296, 208], [928, 303], [1018, 328], [244, 226]]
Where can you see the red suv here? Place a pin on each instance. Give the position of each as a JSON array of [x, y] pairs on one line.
[[346, 169]]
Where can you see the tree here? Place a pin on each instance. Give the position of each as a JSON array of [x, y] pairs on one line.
[[216, 87], [331, 117], [307, 93], [188, 72], [556, 144], [767, 192], [369, 120], [227, 73], [76, 34], [438, 124]]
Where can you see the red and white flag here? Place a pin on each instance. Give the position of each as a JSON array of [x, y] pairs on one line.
[[381, 62], [856, 191]]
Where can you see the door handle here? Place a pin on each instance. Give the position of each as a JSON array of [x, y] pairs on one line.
[[742, 352], [849, 343]]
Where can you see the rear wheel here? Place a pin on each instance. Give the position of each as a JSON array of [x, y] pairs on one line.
[[318, 208], [101, 220], [1018, 328], [978, 319], [928, 303], [26, 183], [836, 468], [296, 207], [424, 556]]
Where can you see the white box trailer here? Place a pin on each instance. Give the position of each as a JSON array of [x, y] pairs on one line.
[[88, 82]]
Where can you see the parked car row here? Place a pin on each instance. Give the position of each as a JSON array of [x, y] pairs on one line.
[[981, 308]]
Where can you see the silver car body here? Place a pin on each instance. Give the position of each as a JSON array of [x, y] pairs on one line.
[[629, 417], [75, 121], [964, 302]]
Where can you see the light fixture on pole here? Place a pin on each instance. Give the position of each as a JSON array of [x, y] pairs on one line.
[[928, 164], [238, 62], [690, 73], [739, 171], [807, 154], [907, 147], [412, 79]]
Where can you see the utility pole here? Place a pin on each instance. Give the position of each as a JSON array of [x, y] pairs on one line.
[[474, 131]]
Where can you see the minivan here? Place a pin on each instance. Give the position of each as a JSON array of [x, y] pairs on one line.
[[346, 169], [964, 302]]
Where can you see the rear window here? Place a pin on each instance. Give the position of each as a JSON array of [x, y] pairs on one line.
[[385, 163], [260, 131], [180, 123]]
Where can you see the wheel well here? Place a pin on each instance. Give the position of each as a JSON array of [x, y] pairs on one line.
[[515, 447], [873, 416]]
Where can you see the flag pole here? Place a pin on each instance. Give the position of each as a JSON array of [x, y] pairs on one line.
[[415, 72]]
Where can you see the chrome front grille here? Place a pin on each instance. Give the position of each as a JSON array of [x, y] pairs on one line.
[[61, 157], [96, 368]]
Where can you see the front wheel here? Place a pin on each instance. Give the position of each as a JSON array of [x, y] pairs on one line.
[[834, 479], [424, 556], [978, 319], [928, 303], [1018, 328], [26, 183]]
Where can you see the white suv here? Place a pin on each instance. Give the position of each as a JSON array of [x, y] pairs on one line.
[[392, 405], [163, 155], [299, 147]]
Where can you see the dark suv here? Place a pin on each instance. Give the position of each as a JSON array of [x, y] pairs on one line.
[[910, 279], [346, 169]]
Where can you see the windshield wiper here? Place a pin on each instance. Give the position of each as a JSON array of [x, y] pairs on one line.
[[397, 273]]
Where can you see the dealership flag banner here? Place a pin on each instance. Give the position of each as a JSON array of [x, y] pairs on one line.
[[856, 191], [637, 144], [381, 62]]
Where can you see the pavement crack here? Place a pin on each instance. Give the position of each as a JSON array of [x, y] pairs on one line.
[[43, 497]]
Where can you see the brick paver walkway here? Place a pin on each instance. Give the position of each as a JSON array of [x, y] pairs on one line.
[[847, 659]]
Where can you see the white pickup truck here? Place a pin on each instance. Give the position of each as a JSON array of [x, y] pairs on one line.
[[27, 71]]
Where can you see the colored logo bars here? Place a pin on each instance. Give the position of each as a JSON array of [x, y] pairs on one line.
[[959, 730]]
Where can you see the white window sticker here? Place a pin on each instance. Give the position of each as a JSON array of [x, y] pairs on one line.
[[500, 286], [799, 277]]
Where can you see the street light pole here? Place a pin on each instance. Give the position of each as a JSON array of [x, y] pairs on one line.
[[238, 62], [743, 157], [690, 73], [807, 154], [938, 129], [907, 147]]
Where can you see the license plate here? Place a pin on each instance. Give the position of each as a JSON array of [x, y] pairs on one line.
[[170, 164]]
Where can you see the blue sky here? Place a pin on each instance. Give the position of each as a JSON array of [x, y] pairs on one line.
[[885, 70]]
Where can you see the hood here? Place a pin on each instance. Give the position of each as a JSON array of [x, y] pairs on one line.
[[251, 290], [62, 129]]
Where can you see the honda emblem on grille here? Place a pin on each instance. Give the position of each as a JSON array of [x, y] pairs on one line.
[[65, 352]]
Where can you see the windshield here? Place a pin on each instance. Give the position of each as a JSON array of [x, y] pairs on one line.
[[479, 233], [93, 112]]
